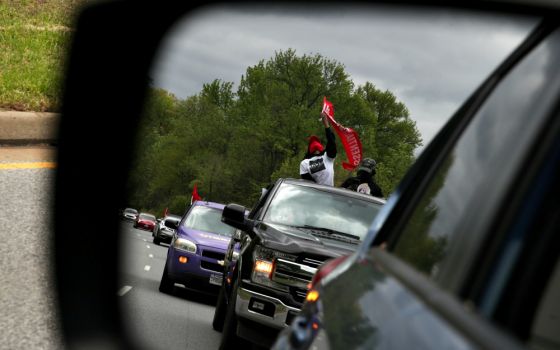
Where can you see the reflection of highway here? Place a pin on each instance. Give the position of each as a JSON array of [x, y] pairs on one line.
[[157, 320]]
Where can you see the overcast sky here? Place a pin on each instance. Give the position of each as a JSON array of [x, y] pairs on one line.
[[430, 61]]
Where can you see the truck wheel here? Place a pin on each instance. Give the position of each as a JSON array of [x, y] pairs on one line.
[[166, 285], [156, 240], [220, 311], [229, 334]]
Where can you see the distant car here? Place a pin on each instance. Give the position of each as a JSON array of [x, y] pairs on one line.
[[145, 221], [130, 214], [165, 228], [195, 257]]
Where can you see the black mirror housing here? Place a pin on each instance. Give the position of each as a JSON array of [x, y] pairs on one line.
[[234, 215], [171, 224]]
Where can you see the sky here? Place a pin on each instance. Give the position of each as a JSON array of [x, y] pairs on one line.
[[430, 60]]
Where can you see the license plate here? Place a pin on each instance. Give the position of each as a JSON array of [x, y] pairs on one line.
[[216, 280]]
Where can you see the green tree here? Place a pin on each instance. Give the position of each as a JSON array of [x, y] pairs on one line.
[[219, 93], [279, 106], [234, 143], [395, 135]]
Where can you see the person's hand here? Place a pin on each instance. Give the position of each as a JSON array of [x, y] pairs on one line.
[[325, 120]]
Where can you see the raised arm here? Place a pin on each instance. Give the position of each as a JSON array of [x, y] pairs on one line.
[[331, 143]]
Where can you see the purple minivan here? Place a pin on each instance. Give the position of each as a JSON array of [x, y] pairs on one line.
[[195, 257]]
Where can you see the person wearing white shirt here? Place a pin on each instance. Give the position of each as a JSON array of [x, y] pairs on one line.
[[318, 164]]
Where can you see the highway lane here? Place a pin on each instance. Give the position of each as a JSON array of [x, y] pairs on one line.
[[156, 320], [28, 315]]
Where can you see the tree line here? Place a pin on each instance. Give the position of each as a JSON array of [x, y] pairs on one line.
[[233, 143]]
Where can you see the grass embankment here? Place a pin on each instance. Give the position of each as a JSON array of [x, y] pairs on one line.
[[34, 37]]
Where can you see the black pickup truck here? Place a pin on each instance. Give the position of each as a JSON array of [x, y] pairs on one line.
[[294, 227]]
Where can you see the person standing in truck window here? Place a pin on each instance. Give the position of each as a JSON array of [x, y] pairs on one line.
[[363, 182], [318, 164]]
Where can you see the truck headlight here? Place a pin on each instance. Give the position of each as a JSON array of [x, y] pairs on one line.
[[185, 245], [263, 265]]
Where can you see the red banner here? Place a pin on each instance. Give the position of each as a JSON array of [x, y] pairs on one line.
[[349, 137]]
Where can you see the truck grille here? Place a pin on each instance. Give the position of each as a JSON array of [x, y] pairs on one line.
[[312, 262], [298, 294], [297, 274], [292, 274]]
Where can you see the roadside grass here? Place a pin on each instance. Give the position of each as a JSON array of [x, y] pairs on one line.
[[34, 37]]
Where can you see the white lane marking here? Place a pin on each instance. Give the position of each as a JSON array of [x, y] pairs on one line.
[[145, 240], [148, 246], [124, 290], [147, 268], [151, 256], [138, 234]]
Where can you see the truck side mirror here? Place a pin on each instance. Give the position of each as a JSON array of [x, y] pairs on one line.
[[234, 215]]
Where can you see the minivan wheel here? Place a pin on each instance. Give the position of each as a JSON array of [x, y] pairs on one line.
[[166, 285]]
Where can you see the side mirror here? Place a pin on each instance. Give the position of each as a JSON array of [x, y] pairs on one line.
[[171, 224], [234, 215], [236, 236]]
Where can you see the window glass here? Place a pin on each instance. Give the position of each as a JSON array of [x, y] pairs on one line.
[[257, 208], [207, 220], [147, 217], [315, 208], [460, 202]]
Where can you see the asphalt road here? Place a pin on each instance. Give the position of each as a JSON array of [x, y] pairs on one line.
[[156, 320], [28, 316]]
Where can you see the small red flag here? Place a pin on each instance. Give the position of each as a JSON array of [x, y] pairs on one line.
[[195, 197], [328, 108], [349, 137], [165, 212]]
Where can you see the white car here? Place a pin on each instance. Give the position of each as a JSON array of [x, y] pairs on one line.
[[130, 214]]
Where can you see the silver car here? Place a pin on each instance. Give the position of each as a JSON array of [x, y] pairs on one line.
[[165, 229]]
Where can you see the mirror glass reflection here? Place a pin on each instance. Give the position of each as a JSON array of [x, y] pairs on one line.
[[235, 94]]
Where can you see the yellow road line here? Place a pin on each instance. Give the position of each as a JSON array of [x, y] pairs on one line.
[[34, 165]]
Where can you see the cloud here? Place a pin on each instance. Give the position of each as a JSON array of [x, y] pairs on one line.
[[431, 60]]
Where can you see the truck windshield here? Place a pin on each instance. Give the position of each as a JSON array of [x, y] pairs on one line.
[[309, 207], [207, 220]]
